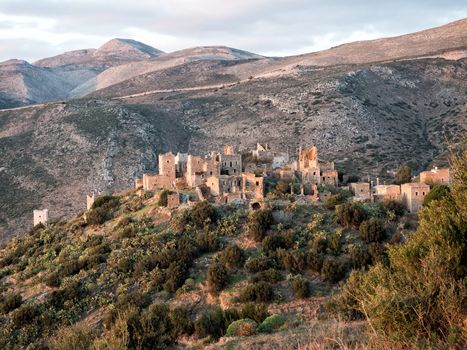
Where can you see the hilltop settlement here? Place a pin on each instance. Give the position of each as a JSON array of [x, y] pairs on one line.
[[244, 180]]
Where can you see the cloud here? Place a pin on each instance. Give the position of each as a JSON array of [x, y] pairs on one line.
[[271, 27]]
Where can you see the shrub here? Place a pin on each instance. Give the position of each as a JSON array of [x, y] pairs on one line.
[[300, 286], [378, 254], [210, 323], [259, 222], [332, 270], [389, 206], [272, 243], [403, 175], [420, 296], [203, 213], [10, 302], [351, 214], [359, 256], [255, 311], [271, 275], [207, 242], [24, 315], [336, 199], [105, 201], [163, 198], [71, 292], [102, 210], [334, 242], [315, 261], [232, 256], [241, 328], [318, 244], [271, 323], [76, 337], [53, 280], [372, 230], [294, 260], [258, 264], [181, 323], [176, 274], [217, 277], [259, 292], [436, 193]]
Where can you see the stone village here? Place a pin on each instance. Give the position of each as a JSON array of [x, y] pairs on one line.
[[229, 178]]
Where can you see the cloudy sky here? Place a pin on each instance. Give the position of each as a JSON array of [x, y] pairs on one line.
[[33, 29]]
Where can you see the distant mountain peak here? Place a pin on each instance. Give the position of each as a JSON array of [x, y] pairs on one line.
[[120, 46]]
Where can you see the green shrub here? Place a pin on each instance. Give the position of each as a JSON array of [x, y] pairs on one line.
[[258, 264], [241, 328], [271, 323], [259, 222], [176, 275], [436, 193], [163, 198], [207, 242], [76, 337], [294, 260], [359, 256], [10, 302], [181, 323], [334, 242], [102, 210], [351, 214], [271, 275], [259, 292], [315, 261], [420, 296], [24, 315], [332, 270], [273, 242], [336, 199], [318, 244], [203, 213], [217, 277], [378, 254], [403, 175], [53, 280], [372, 230], [300, 286], [392, 207], [210, 323], [255, 311], [232, 256]]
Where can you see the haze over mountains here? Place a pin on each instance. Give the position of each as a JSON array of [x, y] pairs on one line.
[[369, 105]]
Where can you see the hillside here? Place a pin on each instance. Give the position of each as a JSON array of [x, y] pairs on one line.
[[132, 252], [369, 119]]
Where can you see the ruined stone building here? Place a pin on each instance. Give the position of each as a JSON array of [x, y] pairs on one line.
[[436, 176], [312, 172], [41, 217], [386, 192], [413, 195], [252, 186], [361, 190]]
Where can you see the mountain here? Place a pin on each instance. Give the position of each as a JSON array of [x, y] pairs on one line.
[[54, 78], [124, 72], [369, 117]]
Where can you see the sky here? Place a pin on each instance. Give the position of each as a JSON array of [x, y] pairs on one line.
[[34, 29]]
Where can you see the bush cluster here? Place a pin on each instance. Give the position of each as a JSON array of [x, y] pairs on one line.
[[259, 223]]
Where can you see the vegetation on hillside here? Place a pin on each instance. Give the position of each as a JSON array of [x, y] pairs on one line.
[[120, 277]]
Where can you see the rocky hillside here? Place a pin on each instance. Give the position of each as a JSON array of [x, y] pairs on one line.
[[53, 78], [368, 117]]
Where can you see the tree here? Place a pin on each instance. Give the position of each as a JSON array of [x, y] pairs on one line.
[[436, 193], [421, 294], [372, 230], [217, 276], [163, 198], [258, 224], [403, 175]]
